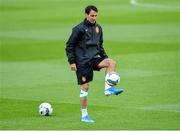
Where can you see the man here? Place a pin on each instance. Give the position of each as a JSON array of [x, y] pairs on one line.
[[85, 53]]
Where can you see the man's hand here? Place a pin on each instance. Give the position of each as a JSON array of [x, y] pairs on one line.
[[73, 67]]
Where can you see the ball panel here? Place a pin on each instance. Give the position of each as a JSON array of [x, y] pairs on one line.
[[45, 109], [112, 78]]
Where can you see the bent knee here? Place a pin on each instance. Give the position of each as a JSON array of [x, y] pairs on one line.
[[111, 62]]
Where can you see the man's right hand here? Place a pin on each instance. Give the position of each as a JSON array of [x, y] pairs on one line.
[[73, 67]]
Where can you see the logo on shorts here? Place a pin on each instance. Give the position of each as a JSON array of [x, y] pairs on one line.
[[84, 79]]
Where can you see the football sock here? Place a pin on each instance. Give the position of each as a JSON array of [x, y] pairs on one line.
[[107, 86], [84, 112]]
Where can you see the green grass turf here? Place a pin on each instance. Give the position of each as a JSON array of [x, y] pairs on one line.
[[143, 39]]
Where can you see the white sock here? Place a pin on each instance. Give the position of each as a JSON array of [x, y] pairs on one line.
[[107, 86], [84, 112]]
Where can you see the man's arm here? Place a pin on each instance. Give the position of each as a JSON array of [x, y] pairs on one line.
[[73, 67], [102, 52], [70, 46]]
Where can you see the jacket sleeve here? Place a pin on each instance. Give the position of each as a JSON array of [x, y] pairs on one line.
[[102, 52], [70, 46]]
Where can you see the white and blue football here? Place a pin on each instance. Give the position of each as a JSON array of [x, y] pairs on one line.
[[112, 78]]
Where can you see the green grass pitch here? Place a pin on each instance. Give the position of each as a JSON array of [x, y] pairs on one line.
[[144, 39]]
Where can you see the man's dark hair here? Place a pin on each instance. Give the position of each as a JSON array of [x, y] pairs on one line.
[[89, 8]]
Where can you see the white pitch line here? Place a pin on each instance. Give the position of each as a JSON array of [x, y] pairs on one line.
[[133, 2], [174, 107], [168, 108], [137, 3]]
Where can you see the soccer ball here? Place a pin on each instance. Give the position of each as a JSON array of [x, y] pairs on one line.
[[112, 78], [45, 109]]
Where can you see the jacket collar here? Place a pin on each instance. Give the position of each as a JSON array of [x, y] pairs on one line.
[[88, 23]]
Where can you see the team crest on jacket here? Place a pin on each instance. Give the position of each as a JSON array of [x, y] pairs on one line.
[[97, 29]]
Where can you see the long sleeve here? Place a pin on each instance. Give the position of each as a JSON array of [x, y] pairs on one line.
[[70, 46], [102, 52]]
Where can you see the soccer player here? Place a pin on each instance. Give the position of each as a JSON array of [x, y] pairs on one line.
[[85, 53]]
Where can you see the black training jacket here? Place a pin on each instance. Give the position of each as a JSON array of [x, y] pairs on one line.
[[85, 43]]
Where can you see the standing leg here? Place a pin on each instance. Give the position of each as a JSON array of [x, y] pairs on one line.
[[83, 103], [83, 98]]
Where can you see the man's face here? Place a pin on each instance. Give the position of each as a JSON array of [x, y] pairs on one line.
[[91, 17]]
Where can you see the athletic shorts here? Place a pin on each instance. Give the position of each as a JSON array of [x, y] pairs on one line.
[[84, 73]]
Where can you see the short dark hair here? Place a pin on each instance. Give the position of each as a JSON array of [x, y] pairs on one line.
[[89, 8]]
